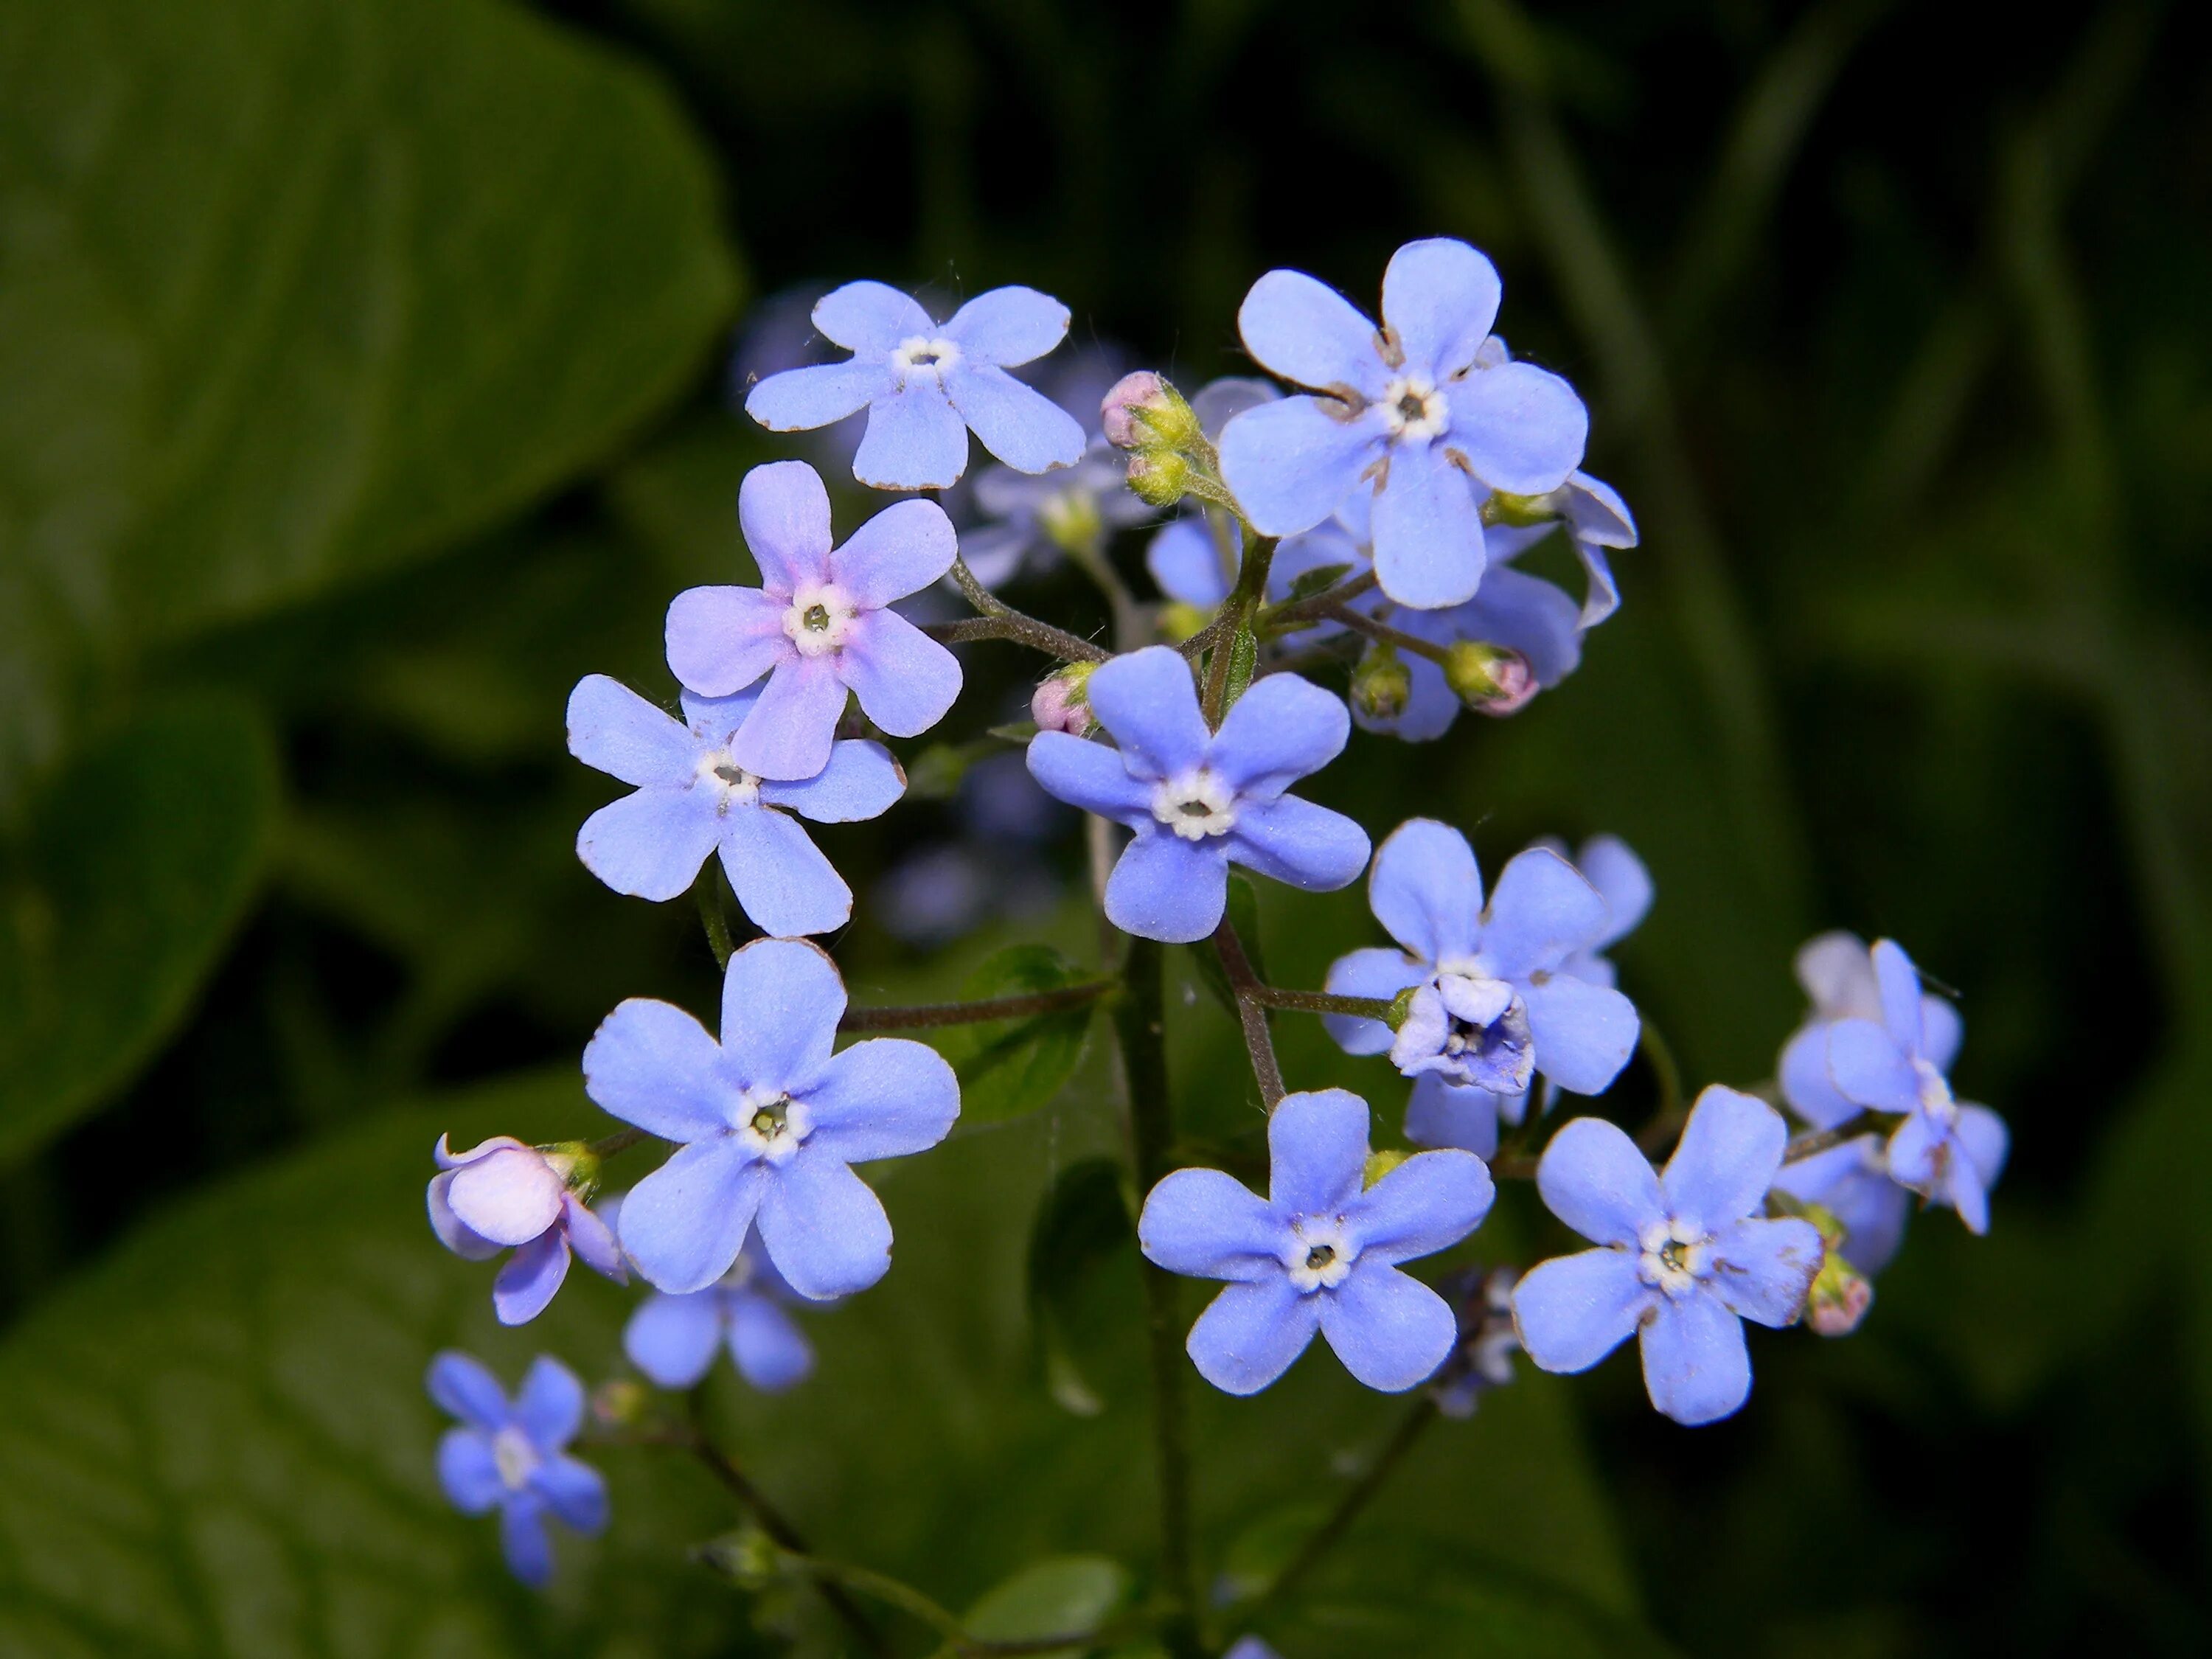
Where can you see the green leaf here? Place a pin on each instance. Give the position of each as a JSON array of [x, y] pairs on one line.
[[1084, 1220], [1010, 1067], [299, 289], [1074, 1593], [139, 859], [1243, 662], [1319, 579]]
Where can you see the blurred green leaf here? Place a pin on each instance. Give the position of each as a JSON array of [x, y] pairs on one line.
[[1010, 1067], [297, 289], [139, 859], [1075, 1593], [1083, 1221]]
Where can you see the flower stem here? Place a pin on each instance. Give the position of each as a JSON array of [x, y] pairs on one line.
[[1318, 1002], [1251, 1011], [1815, 1141], [1360, 623], [917, 1015], [1410, 1429], [1023, 630], [1666, 1122], [620, 1141], [1251, 584], [1318, 607], [1142, 1040]]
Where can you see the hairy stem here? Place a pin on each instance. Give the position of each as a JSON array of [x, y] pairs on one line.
[[917, 1015], [1251, 1011], [1815, 1141], [620, 1141], [1251, 584], [1023, 630], [1360, 623], [1319, 1002], [1316, 607]]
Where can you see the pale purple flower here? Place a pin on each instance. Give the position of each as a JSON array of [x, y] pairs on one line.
[[500, 1195], [1483, 1303], [1200, 799], [927, 385], [513, 1456], [673, 1339], [1320, 1252], [819, 625], [1026, 513], [694, 798], [1684, 1256]]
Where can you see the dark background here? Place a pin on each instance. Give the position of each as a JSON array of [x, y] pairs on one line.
[[1891, 319]]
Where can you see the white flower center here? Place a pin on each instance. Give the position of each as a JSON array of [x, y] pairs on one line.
[[1318, 1255], [1674, 1257], [919, 355], [1413, 410], [1196, 803], [732, 785], [514, 1457], [1935, 1102], [774, 1126], [1474, 1000], [820, 616]]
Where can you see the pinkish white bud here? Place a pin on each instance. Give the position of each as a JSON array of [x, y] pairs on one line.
[[1144, 412], [1062, 703]]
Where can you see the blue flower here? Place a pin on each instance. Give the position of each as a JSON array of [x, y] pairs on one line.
[[1198, 799], [1890, 1052], [1072, 508], [1684, 1257], [1419, 413], [925, 385], [513, 1458], [1443, 1113], [770, 1123], [503, 1196], [818, 625], [694, 798], [672, 1339], [1320, 1253], [1483, 1360], [1596, 522], [1498, 1000]]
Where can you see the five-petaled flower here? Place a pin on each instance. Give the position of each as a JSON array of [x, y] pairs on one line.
[[673, 1338], [818, 625], [1889, 1053], [1320, 1253], [1427, 413], [503, 1196], [1684, 1256], [1499, 992], [927, 385], [513, 1456], [1199, 799], [770, 1122], [693, 798]]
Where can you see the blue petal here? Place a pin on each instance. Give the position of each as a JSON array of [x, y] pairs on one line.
[[861, 781], [1440, 298], [770, 1351], [788, 734], [526, 1287], [721, 639], [1596, 512], [800, 399], [1317, 1151], [1168, 889], [1390, 1330], [1146, 699], [1428, 534], [1373, 972], [574, 1491], [468, 1472], [1426, 889], [650, 844], [651, 1064], [915, 440], [1542, 912], [781, 880], [1571, 1311], [509, 1195], [1527, 614], [1306, 331], [1600, 592], [1762, 1269], [825, 1231], [1428, 1203], [1521, 428], [1696, 1368], [1593, 1178], [1441, 1113], [1941, 1030], [1185, 562], [1852, 1182], [904, 680], [462, 1388], [1252, 1332], [1866, 1067], [1008, 325], [613, 729], [1608, 864], [463, 1242], [886, 1097], [1282, 728], [1983, 1133], [873, 318], [1218, 402], [1299, 844], [1089, 776], [1210, 1225], [1289, 464], [1898, 982], [1837, 975], [783, 511], [1807, 1084], [1021, 425], [522, 1538], [1583, 1033], [672, 1339], [901, 550], [550, 1406], [1726, 1160], [782, 1001], [684, 1224]]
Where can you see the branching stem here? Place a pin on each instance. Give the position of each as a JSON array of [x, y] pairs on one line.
[[1251, 1011], [915, 1015]]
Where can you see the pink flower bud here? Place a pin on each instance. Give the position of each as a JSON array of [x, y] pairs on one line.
[[1060, 703], [1142, 411]]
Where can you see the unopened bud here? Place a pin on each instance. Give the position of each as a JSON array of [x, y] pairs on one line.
[[1062, 703], [1381, 684], [1381, 1163], [1159, 477], [1520, 511], [621, 1403], [1179, 621], [1839, 1297], [1144, 412], [1489, 677], [575, 1163]]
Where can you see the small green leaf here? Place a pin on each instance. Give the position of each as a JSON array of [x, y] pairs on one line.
[[1243, 661], [1010, 1067], [140, 858], [1070, 1593], [1083, 1220], [1319, 579]]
